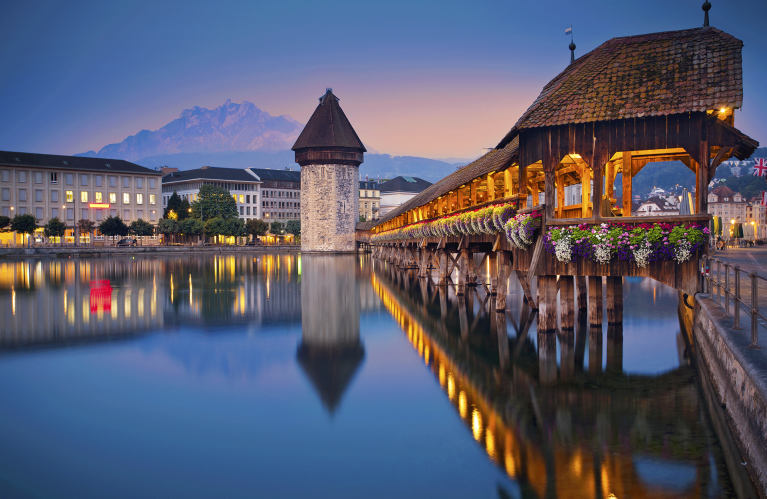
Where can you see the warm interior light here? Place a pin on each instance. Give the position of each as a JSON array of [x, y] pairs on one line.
[[723, 110]]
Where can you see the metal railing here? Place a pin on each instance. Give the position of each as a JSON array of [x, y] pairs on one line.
[[718, 285]]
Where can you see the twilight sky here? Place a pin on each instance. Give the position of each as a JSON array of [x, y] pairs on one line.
[[423, 78]]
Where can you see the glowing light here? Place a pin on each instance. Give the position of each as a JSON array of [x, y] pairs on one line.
[[426, 355], [476, 424], [462, 406], [723, 110], [450, 386], [442, 375], [511, 468], [490, 443], [13, 301], [99, 206]]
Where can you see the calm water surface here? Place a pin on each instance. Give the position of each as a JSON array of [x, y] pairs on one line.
[[333, 376]]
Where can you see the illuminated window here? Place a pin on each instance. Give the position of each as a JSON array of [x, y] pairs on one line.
[[113, 197], [152, 199], [235, 197], [242, 198], [84, 197], [139, 199], [126, 198], [70, 197], [97, 197]]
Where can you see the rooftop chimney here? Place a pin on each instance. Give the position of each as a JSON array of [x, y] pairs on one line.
[[167, 169]]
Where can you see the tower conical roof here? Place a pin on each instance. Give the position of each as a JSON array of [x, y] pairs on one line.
[[328, 127]]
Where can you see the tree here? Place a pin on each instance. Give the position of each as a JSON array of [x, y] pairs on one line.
[[276, 228], [214, 202], [214, 227], [234, 227], [293, 227], [85, 226], [257, 227], [55, 228], [5, 222], [141, 228], [174, 202], [113, 227], [24, 224], [167, 226], [362, 218], [190, 227], [183, 210]]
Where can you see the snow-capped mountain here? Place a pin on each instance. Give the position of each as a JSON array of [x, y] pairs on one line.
[[230, 127]]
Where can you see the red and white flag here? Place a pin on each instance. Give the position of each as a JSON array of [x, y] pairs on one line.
[[760, 167], [764, 198]]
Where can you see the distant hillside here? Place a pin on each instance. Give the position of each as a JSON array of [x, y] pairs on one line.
[[230, 127], [375, 165]]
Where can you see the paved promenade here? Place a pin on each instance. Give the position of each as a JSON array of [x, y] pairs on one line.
[[747, 259]]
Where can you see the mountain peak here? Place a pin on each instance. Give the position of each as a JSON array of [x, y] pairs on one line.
[[229, 127]]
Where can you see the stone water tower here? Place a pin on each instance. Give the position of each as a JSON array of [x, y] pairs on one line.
[[329, 153]]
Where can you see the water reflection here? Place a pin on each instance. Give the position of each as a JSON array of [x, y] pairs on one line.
[[560, 419]]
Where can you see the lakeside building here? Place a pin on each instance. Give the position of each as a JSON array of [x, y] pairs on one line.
[[370, 200], [398, 191], [657, 206], [734, 208], [73, 188], [281, 194]]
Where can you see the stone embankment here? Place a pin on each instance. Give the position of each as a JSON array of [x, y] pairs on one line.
[[106, 251]]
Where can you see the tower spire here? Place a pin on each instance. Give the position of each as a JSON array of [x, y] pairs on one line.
[[706, 7], [569, 31]]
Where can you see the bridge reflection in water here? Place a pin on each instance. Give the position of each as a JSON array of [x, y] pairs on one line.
[[557, 429]]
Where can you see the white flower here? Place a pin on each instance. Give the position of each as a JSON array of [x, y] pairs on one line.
[[602, 253], [642, 254], [682, 251], [564, 249]]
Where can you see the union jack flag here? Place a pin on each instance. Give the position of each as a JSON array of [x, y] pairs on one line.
[[760, 167]]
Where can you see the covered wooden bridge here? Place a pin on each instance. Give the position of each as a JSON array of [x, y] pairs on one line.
[[631, 101]]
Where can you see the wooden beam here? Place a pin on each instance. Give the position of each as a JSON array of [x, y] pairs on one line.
[[595, 301], [627, 184], [585, 192]]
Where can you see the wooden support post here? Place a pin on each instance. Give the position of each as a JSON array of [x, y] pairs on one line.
[[583, 293], [627, 179], [549, 194], [614, 300], [566, 302], [493, 265], [585, 191], [504, 268], [522, 183], [610, 180], [423, 266], [595, 349], [595, 300], [473, 193], [490, 187], [524, 282], [463, 271], [703, 174], [508, 182], [534, 194], [442, 268], [547, 303], [596, 198], [560, 196], [615, 348]]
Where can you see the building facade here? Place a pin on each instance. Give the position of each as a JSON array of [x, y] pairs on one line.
[[280, 194], [398, 191], [73, 188], [243, 185], [729, 205], [329, 153], [370, 200], [657, 206]]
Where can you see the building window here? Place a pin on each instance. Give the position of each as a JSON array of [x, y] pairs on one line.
[[22, 194], [113, 198], [39, 213], [126, 182], [38, 177], [152, 183], [70, 179], [242, 198], [6, 212], [139, 183], [139, 198], [97, 180], [39, 196], [112, 181], [70, 197], [22, 177], [6, 194], [54, 178], [112, 213], [54, 196], [99, 215], [54, 212], [97, 197], [84, 213], [6, 176], [247, 210], [70, 213], [247, 199], [83, 180], [140, 214], [152, 199], [242, 210], [126, 198], [126, 214], [83, 196], [152, 215], [23, 210]]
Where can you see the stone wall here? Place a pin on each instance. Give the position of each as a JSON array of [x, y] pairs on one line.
[[329, 207]]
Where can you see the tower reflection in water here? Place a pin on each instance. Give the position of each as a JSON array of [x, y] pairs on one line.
[[330, 352], [557, 429]]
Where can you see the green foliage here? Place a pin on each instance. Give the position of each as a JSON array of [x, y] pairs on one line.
[[214, 202], [183, 210], [234, 227], [141, 228], [190, 227], [174, 202], [24, 224], [85, 226], [748, 185], [113, 226], [167, 226], [663, 174], [362, 218], [257, 227], [5, 222], [55, 228], [293, 227], [214, 227], [276, 228]]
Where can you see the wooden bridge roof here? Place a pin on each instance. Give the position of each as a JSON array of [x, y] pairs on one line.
[[655, 74], [495, 160]]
